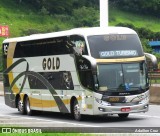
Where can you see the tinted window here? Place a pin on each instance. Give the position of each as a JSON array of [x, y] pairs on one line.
[[59, 80], [79, 42], [115, 46], [131, 77], [85, 73], [45, 47]]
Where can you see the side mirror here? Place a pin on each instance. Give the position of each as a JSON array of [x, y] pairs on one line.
[[153, 60], [93, 65]]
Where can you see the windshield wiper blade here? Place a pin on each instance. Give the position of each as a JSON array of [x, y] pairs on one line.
[[135, 87]]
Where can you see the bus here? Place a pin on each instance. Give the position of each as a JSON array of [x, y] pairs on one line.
[[82, 71]]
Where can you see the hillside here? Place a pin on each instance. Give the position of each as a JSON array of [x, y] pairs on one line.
[[23, 19], [117, 16]]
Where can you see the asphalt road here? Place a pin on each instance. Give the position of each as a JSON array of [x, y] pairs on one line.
[[11, 117]]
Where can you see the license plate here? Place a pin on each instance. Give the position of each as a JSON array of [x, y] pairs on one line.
[[125, 109]]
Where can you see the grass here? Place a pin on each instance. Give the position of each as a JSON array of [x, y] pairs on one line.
[[47, 134], [21, 18], [155, 81], [139, 20]]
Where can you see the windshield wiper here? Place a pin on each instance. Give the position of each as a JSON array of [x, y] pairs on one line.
[[135, 87]]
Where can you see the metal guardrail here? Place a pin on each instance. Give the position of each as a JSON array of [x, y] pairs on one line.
[[1, 76], [154, 75]]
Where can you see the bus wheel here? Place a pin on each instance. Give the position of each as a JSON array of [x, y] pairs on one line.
[[20, 106], [123, 115], [76, 111], [27, 107]]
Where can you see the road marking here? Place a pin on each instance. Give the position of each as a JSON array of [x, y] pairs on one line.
[[51, 121], [148, 116]]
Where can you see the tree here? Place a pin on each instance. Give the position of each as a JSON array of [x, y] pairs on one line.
[[85, 17], [151, 7], [61, 6]]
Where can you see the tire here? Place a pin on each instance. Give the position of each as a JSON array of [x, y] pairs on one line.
[[123, 115], [76, 111], [20, 106], [27, 107]]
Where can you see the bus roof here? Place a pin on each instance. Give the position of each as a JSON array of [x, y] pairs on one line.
[[75, 31]]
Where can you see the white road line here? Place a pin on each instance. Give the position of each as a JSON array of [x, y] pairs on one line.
[[51, 121], [148, 116]]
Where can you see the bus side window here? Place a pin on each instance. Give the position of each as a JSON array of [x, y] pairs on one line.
[[86, 79], [67, 82], [59, 80]]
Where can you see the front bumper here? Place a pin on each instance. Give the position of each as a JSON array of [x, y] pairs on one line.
[[132, 104], [118, 109]]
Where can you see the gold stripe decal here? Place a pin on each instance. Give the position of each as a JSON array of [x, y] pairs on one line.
[[46, 103], [25, 74], [10, 56], [120, 60]]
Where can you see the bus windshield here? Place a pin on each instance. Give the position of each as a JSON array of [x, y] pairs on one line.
[[115, 46], [122, 77]]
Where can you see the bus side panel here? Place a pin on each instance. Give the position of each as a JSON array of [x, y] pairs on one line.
[[8, 53]]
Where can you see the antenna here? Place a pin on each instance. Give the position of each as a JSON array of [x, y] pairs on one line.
[[103, 13]]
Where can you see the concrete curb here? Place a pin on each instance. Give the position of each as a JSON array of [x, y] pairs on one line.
[[154, 93], [1, 89]]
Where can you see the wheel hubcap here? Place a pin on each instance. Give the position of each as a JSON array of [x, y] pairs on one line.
[[20, 105], [77, 111]]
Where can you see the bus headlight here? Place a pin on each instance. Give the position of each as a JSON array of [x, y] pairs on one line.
[[102, 102]]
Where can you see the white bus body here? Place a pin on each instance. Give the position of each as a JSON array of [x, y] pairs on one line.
[[81, 71]]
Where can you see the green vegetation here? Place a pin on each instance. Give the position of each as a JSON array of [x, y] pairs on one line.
[[117, 16], [148, 7], [155, 81], [47, 134], [23, 20]]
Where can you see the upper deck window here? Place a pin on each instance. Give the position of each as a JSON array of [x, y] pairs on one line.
[[43, 47], [79, 42], [115, 46]]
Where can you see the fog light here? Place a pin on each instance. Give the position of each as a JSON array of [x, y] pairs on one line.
[[101, 109], [146, 106]]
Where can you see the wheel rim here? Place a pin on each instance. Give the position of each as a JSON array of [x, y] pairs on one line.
[[76, 111], [20, 105]]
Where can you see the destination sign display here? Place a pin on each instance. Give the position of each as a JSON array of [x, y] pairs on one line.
[[115, 37], [118, 53]]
